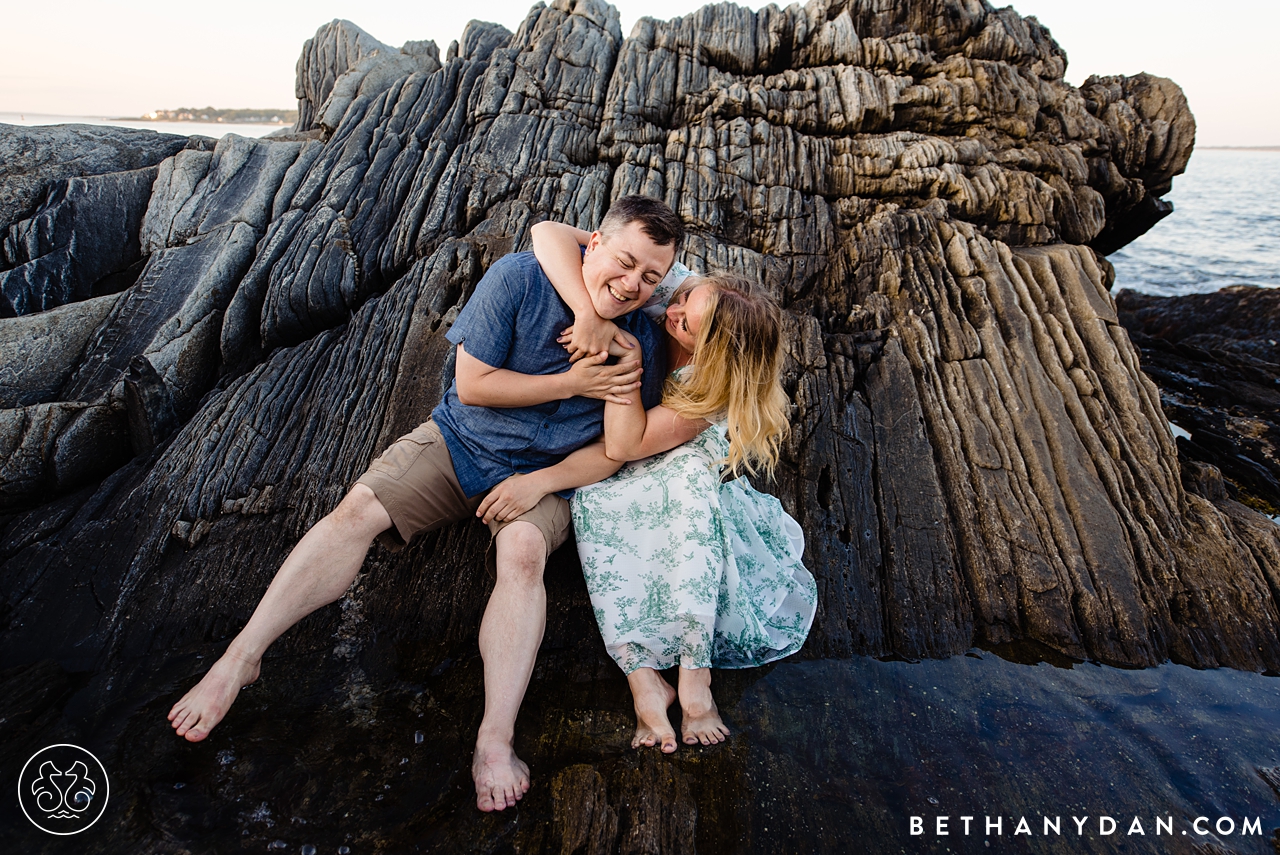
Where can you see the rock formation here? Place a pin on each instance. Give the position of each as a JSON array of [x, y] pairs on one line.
[[976, 455], [91, 185], [342, 62], [1216, 360]]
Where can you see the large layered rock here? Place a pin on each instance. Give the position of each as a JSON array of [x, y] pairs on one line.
[[36, 157], [976, 456], [150, 359], [85, 231], [342, 62], [70, 205]]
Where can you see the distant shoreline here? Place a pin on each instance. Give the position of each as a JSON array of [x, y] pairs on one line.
[[135, 118], [1239, 147], [219, 115]]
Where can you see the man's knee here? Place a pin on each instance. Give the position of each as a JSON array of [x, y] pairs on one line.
[[361, 512], [521, 552]]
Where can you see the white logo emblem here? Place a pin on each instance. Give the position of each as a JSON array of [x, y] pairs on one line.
[[63, 789]]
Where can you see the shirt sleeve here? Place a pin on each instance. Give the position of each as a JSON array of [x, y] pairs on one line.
[[656, 306], [486, 325]]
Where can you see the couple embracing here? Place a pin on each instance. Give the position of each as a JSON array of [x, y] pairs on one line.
[[686, 563]]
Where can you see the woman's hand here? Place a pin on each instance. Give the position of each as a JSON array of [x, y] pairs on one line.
[[591, 378], [589, 334], [592, 334], [511, 498]]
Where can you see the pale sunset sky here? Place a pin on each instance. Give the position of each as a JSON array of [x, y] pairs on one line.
[[82, 58]]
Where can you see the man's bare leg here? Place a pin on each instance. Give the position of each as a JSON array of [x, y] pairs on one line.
[[317, 571], [652, 695], [700, 719], [510, 635]]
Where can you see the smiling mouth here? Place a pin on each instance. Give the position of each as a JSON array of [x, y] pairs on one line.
[[618, 295]]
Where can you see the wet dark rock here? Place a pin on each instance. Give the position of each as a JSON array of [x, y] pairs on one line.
[[1216, 359], [33, 158], [86, 230], [977, 457]]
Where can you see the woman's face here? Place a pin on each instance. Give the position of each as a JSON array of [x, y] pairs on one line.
[[684, 314]]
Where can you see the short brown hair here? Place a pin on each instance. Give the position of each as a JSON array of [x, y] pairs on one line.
[[657, 221]]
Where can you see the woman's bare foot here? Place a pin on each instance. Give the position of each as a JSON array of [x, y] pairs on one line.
[[501, 777], [652, 695], [700, 719], [200, 709]]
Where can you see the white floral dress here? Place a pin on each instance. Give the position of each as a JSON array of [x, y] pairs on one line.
[[684, 569]]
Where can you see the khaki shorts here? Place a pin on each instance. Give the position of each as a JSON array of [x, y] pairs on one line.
[[414, 480]]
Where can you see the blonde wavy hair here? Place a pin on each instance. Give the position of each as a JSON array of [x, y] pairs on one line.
[[735, 372]]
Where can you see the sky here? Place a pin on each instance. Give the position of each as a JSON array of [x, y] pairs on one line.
[[90, 58]]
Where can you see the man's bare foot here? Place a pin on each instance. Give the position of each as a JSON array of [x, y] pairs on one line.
[[200, 709], [501, 777], [652, 695], [700, 719]]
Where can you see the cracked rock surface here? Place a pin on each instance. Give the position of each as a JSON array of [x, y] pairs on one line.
[[976, 457]]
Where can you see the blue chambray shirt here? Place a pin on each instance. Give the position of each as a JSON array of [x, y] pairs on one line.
[[512, 321]]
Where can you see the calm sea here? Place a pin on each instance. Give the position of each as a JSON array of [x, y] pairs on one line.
[[1224, 230]]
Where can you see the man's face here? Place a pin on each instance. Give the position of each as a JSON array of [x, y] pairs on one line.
[[621, 271]]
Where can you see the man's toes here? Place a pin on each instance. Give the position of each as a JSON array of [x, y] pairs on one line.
[[484, 800]]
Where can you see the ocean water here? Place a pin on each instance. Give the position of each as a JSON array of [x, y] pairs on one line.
[[1224, 230], [209, 129]]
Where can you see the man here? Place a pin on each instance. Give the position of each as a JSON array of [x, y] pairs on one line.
[[509, 425]]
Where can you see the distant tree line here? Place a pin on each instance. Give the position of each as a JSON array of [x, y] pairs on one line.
[[249, 116]]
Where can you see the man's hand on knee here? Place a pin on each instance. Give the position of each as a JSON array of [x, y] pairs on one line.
[[511, 498]]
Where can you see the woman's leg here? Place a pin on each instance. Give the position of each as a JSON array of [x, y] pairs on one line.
[[700, 718], [652, 695]]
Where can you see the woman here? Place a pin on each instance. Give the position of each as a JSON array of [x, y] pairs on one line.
[[686, 563]]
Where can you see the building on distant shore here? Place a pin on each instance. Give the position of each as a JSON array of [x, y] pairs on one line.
[[250, 116]]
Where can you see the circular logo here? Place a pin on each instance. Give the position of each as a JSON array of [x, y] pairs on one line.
[[63, 789]]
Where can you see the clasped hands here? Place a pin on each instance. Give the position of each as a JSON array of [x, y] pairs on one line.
[[590, 342]]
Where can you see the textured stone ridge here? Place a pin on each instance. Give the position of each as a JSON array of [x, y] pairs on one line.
[[342, 62], [976, 456]]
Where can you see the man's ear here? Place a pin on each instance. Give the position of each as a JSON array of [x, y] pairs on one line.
[[594, 242]]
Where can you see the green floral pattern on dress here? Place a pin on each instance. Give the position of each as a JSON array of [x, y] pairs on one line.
[[684, 569]]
